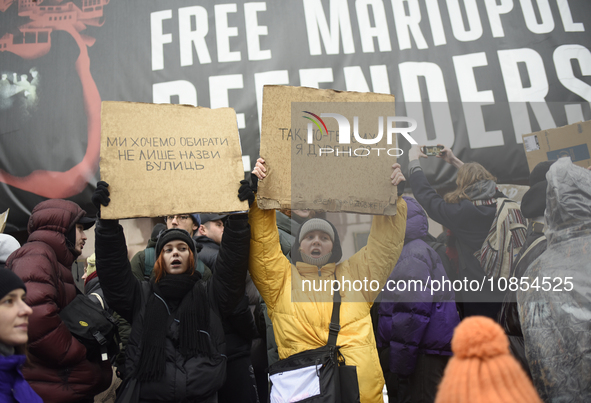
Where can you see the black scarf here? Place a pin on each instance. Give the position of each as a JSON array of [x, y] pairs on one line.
[[193, 316]]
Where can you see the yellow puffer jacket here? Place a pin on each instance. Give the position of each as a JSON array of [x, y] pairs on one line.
[[301, 326]]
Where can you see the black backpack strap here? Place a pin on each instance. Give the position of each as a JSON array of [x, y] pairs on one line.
[[149, 260], [334, 327]]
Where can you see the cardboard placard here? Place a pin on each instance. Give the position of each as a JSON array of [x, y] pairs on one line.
[[572, 141], [311, 165], [3, 219], [161, 159]]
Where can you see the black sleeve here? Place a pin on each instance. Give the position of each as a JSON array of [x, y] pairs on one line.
[[437, 209], [209, 257], [242, 320], [228, 283], [121, 289]]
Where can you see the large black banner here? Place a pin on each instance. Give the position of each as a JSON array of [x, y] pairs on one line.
[[475, 74]]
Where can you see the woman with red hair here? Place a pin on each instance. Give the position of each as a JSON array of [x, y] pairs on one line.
[[176, 349]]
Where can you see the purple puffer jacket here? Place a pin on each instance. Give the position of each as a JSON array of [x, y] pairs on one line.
[[416, 322]]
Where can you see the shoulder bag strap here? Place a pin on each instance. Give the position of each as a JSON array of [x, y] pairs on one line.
[[149, 260], [334, 327], [529, 249], [99, 299]]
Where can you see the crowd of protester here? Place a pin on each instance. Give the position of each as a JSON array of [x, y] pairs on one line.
[[215, 299]]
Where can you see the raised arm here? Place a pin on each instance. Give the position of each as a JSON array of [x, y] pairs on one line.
[[122, 290], [446, 214], [269, 268], [376, 260], [232, 264]]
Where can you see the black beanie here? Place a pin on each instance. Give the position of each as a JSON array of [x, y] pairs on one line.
[[158, 228], [172, 235], [9, 282], [538, 174]]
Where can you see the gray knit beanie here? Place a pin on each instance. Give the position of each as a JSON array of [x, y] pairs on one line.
[[316, 224]]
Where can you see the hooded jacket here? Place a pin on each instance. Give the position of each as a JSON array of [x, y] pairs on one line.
[[421, 321], [60, 371], [470, 224], [301, 316], [555, 312], [535, 245], [197, 378], [533, 206]]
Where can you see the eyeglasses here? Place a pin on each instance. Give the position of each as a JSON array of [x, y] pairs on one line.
[[182, 217]]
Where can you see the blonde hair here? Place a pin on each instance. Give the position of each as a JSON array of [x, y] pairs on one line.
[[468, 174]]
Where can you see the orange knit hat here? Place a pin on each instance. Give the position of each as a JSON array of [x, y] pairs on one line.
[[482, 369]]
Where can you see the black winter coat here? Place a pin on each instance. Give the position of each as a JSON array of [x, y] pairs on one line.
[[239, 327], [209, 252], [470, 224], [188, 380]]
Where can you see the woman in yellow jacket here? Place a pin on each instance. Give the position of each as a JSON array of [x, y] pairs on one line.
[[301, 315]]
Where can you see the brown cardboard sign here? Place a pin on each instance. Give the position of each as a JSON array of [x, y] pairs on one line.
[[314, 164], [161, 159], [572, 141]]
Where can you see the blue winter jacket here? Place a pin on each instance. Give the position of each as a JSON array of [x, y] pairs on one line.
[[422, 321]]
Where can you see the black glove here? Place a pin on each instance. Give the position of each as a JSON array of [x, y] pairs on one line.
[[254, 180], [245, 192], [101, 195], [401, 187]]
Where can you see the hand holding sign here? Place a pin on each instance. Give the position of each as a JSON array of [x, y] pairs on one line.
[[259, 169], [397, 176]]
